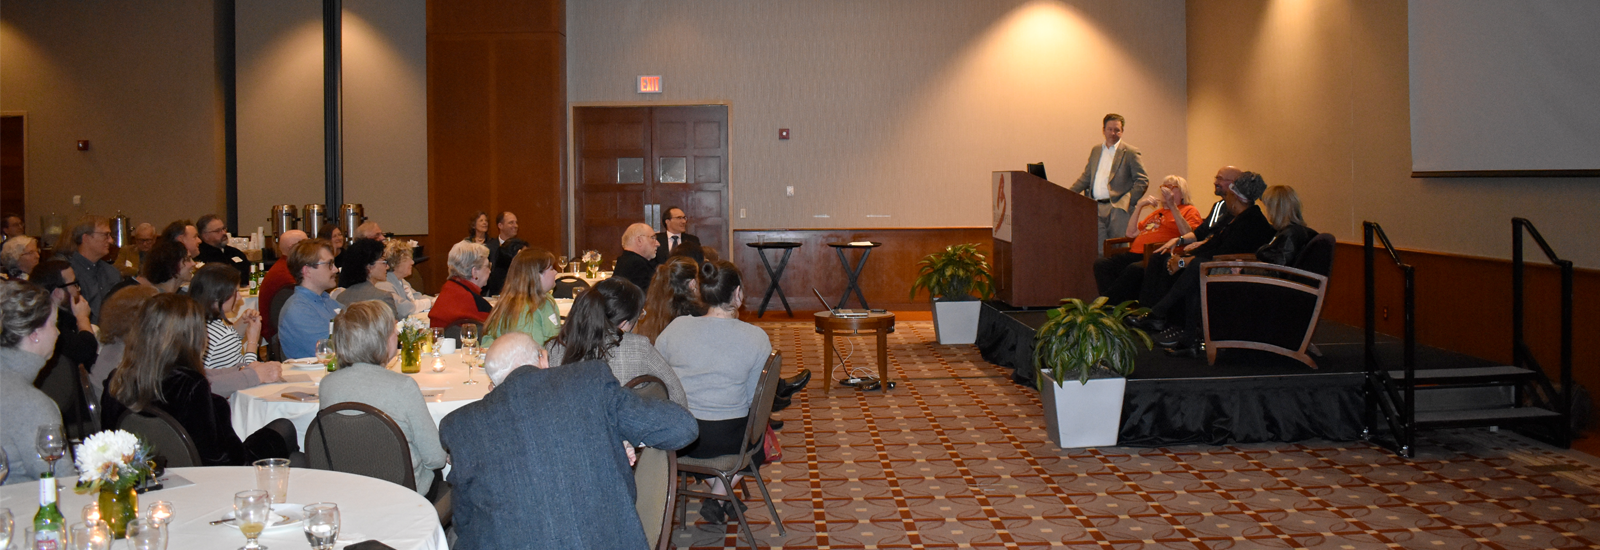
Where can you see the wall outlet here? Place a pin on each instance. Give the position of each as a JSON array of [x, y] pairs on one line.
[[77, 200], [741, 213], [789, 190]]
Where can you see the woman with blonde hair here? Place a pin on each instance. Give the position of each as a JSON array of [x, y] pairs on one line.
[[1283, 210], [366, 337], [1119, 277], [399, 254], [678, 296], [526, 305]]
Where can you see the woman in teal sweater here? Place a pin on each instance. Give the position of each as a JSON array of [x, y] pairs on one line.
[[526, 305]]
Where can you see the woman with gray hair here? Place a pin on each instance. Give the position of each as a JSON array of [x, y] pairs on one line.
[[27, 338], [366, 338], [399, 254], [461, 299], [18, 257]]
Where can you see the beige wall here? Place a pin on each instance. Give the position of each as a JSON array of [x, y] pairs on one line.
[[278, 52], [138, 80], [1314, 95], [897, 108]]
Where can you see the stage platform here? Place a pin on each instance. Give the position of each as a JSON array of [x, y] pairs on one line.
[[1247, 397]]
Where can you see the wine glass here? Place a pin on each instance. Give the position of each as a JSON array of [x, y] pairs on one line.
[[325, 354], [144, 534], [52, 444], [469, 337], [561, 263], [468, 358], [437, 334], [250, 510], [5, 527], [322, 525]]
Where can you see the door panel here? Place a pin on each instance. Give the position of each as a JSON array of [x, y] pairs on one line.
[[634, 157]]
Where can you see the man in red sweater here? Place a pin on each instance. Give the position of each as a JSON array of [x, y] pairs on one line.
[[277, 278]]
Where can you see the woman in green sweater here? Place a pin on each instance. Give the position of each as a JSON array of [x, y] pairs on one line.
[[526, 305]]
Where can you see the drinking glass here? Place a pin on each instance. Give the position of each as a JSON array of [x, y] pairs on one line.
[[322, 525], [325, 354], [91, 512], [5, 469], [250, 511], [438, 333], [272, 476], [160, 512], [468, 358], [144, 534], [5, 528], [89, 536], [469, 336], [52, 444], [561, 263]]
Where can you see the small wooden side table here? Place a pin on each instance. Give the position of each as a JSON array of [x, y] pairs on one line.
[[879, 323]]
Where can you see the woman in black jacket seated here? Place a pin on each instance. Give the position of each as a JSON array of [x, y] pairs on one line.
[[161, 368], [1283, 208]]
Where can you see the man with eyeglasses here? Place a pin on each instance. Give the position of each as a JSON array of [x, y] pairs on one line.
[[676, 224], [10, 226], [92, 241], [129, 258], [214, 247], [307, 315]]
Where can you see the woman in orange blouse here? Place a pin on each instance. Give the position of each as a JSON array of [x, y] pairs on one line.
[[1120, 276]]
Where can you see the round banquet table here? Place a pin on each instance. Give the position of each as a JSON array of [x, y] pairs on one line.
[[369, 509], [444, 392]]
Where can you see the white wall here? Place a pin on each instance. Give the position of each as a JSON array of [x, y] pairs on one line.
[[898, 108]]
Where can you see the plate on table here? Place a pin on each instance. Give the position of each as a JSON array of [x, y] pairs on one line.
[[283, 516], [308, 363]]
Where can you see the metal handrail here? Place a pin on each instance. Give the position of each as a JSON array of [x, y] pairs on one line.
[[1371, 230], [1520, 353]]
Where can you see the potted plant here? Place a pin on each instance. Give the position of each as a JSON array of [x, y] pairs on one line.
[[952, 277], [1091, 344]]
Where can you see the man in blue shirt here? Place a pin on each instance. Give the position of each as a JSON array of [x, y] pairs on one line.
[[306, 315]]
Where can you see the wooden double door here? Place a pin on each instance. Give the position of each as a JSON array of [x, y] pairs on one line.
[[635, 163]]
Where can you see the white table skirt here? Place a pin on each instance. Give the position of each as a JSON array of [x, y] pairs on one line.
[[369, 509], [255, 407]]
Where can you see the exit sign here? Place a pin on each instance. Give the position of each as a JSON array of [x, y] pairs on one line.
[[650, 84]]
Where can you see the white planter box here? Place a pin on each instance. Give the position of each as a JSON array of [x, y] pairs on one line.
[[956, 322], [1083, 415]]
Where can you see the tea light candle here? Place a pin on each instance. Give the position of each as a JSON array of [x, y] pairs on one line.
[[438, 365], [160, 512], [91, 513]]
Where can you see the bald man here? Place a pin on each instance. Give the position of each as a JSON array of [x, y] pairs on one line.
[[129, 258], [277, 278], [638, 248], [511, 351], [370, 230]]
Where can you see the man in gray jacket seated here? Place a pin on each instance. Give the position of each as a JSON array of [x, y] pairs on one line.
[[538, 463]]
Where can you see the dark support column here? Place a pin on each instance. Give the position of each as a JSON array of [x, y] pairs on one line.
[[227, 84], [332, 104]]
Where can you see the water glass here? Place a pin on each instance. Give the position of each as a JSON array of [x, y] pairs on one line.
[[250, 512], [272, 476], [51, 443], [322, 525], [89, 536], [144, 534]]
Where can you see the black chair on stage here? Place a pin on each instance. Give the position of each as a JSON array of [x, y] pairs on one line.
[[1266, 307]]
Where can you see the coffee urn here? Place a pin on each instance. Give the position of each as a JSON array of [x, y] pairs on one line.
[[285, 218], [351, 216], [121, 234], [313, 216]]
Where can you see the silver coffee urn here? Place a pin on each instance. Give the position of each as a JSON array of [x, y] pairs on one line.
[[351, 216], [313, 216], [121, 233], [285, 218]]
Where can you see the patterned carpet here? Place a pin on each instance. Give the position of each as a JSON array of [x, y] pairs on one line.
[[957, 456]]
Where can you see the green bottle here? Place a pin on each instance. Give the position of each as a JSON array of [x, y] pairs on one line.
[[49, 528]]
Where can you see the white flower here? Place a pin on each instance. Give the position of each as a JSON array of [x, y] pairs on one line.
[[105, 452]]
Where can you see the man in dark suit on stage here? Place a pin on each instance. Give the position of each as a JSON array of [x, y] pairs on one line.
[[676, 223], [638, 248], [502, 248], [1114, 178]]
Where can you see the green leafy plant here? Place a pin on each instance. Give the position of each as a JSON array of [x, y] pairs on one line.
[[958, 271], [1081, 339]]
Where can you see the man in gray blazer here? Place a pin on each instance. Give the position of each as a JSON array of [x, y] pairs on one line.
[[1114, 178]]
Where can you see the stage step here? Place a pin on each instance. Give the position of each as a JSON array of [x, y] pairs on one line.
[[1483, 417], [1468, 376]]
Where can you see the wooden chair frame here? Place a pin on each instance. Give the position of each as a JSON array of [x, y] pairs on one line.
[[1264, 274]]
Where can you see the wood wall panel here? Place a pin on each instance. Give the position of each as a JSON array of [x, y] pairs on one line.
[[496, 120], [886, 280], [1463, 304]]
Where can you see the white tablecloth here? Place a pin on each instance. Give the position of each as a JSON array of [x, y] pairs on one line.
[[368, 509], [255, 407]]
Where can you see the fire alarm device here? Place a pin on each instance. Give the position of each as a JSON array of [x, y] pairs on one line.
[[783, 133], [83, 145]]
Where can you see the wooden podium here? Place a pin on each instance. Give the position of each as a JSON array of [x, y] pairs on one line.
[[1045, 241]]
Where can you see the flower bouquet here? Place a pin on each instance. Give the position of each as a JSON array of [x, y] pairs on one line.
[[413, 333], [113, 462]]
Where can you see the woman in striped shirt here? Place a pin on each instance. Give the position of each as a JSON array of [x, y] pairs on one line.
[[231, 362]]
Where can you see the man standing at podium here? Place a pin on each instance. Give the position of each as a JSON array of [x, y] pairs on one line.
[[1114, 178]]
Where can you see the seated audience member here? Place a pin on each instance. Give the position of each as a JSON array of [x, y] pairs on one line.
[[335, 239], [116, 319], [231, 360], [161, 369], [1283, 209], [638, 248], [27, 339], [680, 295], [167, 268], [369, 230], [461, 298], [718, 359], [364, 267], [598, 329], [502, 249], [276, 279], [19, 256], [526, 306], [538, 462], [77, 341], [306, 314], [1120, 276], [674, 238], [478, 232], [96, 276], [129, 258], [1245, 233], [214, 247], [709, 253], [183, 232], [11, 226], [398, 252], [366, 338]]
